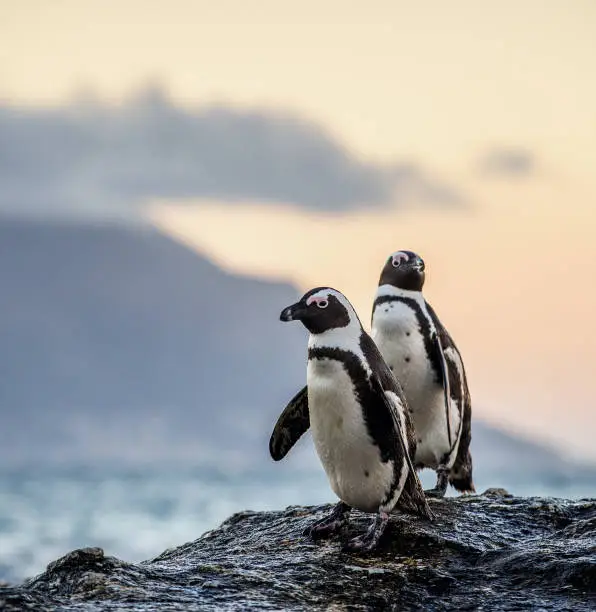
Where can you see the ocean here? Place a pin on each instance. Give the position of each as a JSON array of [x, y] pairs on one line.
[[136, 513], [133, 514]]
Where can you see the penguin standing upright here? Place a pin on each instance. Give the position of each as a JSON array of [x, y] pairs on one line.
[[424, 358], [361, 428]]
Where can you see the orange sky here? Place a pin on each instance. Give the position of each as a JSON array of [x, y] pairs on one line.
[[432, 83], [514, 292]]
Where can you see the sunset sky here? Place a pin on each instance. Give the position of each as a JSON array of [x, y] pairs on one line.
[[488, 110]]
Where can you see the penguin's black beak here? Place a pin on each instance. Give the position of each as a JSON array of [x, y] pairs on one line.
[[293, 312]]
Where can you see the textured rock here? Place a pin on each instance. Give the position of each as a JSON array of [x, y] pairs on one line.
[[490, 552]]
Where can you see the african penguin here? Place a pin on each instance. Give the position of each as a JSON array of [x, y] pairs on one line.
[[425, 360], [361, 429]]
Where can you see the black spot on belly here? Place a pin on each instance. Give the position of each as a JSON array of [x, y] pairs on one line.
[[419, 440], [407, 333], [407, 360], [391, 368], [386, 309], [366, 473]]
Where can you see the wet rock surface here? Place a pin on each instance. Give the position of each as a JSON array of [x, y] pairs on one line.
[[486, 552]]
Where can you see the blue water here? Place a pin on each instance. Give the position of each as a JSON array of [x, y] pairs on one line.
[[130, 514], [136, 514]]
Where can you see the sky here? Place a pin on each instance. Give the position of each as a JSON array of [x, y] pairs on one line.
[[307, 141]]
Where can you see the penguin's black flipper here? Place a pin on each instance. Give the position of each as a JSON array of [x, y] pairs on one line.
[[292, 423], [460, 476], [412, 498], [446, 386]]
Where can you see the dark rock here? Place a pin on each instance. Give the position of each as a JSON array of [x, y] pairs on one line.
[[490, 552], [497, 492]]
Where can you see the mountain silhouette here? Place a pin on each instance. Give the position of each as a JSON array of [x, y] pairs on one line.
[[120, 342]]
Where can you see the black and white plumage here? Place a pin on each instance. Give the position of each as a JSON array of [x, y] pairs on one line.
[[355, 408], [427, 363], [424, 358]]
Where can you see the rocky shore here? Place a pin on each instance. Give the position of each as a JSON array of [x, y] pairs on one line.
[[484, 552]]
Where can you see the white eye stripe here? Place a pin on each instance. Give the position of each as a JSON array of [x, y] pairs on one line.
[[321, 300], [397, 259]]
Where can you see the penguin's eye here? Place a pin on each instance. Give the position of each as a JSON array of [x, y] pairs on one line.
[[322, 303], [398, 258]]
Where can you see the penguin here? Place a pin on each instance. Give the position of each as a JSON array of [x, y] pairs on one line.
[[422, 355], [424, 358], [361, 427]]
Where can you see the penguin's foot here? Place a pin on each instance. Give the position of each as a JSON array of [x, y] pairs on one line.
[[440, 488], [370, 540], [330, 524]]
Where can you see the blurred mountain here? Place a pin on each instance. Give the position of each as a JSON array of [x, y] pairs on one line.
[[120, 345], [526, 467]]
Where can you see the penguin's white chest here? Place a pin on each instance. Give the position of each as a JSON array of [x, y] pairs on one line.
[[350, 459], [397, 333]]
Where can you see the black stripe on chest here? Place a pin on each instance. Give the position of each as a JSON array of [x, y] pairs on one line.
[[379, 422], [423, 327]]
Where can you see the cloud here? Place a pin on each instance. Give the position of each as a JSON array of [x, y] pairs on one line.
[[508, 163], [92, 158]]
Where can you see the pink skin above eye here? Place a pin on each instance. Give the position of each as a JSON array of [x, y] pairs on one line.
[[398, 258], [315, 299]]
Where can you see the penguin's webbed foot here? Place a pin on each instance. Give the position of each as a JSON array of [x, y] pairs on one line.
[[440, 488], [330, 524], [370, 540]]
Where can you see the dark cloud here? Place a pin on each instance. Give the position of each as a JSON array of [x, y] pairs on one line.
[[508, 163], [88, 157]]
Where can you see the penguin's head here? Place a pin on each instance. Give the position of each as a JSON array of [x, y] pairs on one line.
[[320, 310], [404, 270]]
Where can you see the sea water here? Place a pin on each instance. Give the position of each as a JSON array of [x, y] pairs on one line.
[[132, 514], [135, 514]]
